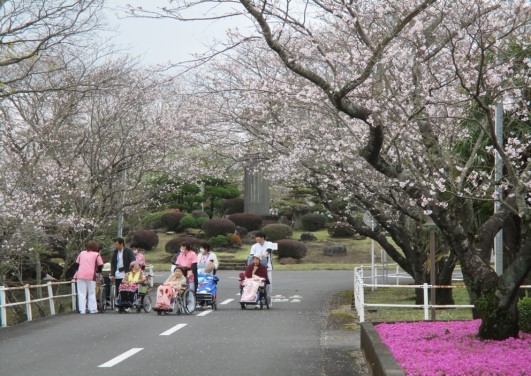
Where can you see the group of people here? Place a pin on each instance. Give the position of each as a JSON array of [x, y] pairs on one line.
[[127, 265], [185, 268]]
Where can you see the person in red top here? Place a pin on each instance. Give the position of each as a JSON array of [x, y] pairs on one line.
[[188, 259], [88, 263], [256, 269]]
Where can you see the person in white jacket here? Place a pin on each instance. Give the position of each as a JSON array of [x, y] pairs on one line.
[[264, 249]]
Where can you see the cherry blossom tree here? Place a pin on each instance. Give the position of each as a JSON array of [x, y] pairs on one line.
[[64, 152], [32, 30], [407, 83]]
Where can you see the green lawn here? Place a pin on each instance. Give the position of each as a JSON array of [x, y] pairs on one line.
[[358, 252]]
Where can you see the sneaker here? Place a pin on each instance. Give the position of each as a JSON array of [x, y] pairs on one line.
[[93, 312]]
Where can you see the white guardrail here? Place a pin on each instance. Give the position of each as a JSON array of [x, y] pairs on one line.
[[50, 298], [359, 295]]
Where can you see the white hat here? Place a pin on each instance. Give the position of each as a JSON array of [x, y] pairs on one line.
[[107, 267]]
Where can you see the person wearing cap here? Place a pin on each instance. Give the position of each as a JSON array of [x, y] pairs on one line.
[[105, 272], [264, 249], [254, 276], [256, 269], [130, 283]]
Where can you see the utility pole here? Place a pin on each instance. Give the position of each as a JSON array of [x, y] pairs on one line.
[[498, 240], [123, 181]]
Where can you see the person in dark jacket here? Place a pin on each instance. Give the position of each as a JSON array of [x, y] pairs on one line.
[[121, 259]]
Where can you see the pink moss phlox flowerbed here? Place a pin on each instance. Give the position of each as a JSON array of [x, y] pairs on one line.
[[453, 348]]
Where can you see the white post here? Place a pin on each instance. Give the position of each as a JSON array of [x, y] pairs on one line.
[[74, 293], [3, 314], [28, 303], [426, 305], [51, 299], [362, 302], [397, 277]]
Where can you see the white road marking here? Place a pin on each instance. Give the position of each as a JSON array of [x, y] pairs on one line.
[[227, 301], [173, 330], [121, 358], [204, 313]]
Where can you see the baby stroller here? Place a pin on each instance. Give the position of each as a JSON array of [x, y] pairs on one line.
[[206, 294], [253, 292]]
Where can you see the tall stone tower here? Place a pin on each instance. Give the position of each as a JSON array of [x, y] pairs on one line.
[[255, 192]]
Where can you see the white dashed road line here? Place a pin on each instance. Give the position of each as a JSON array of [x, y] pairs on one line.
[[173, 330], [204, 313], [121, 358], [226, 301]]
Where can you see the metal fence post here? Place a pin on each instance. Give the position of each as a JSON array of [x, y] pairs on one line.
[[426, 305], [50, 297], [74, 294], [3, 314], [27, 295]]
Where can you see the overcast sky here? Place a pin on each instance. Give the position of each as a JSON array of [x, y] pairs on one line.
[[160, 41]]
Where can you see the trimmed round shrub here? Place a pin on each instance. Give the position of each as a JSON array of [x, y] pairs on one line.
[[242, 231], [275, 232], [172, 220], [146, 239], [313, 221], [152, 220], [291, 248], [173, 246], [232, 205], [218, 226], [188, 221], [219, 241], [250, 221], [308, 237], [200, 221], [200, 214], [340, 230]]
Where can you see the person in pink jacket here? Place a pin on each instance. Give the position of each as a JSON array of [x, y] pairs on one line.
[[89, 263]]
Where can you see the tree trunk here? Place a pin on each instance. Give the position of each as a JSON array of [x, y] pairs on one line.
[[497, 323]]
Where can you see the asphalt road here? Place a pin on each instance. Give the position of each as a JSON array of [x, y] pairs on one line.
[[288, 339]]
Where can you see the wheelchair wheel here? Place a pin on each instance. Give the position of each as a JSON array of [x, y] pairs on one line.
[[146, 303], [112, 298], [103, 299], [189, 301], [243, 306]]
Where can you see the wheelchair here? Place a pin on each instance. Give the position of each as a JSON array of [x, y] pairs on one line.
[[185, 302], [141, 299]]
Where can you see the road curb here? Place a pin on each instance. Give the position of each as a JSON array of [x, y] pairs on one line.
[[377, 355]]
